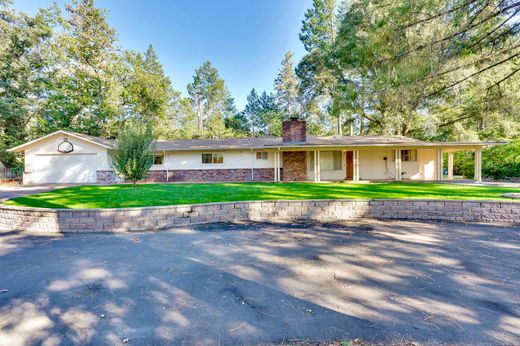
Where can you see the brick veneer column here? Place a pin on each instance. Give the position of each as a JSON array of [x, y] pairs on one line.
[[294, 165]]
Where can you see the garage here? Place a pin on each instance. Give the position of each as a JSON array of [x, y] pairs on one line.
[[65, 168], [64, 157]]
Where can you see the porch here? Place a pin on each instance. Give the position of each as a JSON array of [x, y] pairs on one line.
[[369, 163]]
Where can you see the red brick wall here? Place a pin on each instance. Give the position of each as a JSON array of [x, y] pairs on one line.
[[237, 174], [294, 131], [197, 175], [294, 165]]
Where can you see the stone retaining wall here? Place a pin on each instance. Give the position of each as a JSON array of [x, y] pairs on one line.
[[153, 218]]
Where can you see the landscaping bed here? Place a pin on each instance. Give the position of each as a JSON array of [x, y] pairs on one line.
[[145, 195]]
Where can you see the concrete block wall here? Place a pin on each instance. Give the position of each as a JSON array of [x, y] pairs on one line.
[[153, 218]]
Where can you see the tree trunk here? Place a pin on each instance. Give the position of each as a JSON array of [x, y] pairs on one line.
[[134, 182]]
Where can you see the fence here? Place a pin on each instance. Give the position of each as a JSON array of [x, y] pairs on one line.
[[10, 174]]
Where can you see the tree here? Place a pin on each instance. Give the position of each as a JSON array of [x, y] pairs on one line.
[[23, 70], [80, 90], [286, 86], [401, 61], [322, 96], [319, 26], [262, 114], [211, 102], [135, 151], [147, 91]]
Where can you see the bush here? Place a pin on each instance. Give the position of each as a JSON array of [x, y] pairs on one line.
[[502, 162], [135, 151]]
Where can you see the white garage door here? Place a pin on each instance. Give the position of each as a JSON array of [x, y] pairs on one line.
[[65, 168]]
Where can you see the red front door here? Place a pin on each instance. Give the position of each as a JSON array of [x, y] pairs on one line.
[[350, 165]]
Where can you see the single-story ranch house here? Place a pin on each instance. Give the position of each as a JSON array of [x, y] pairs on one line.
[[67, 157]]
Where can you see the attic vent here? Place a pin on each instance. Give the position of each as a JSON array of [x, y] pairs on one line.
[[65, 146]]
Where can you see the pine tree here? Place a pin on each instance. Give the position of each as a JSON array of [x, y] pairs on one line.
[[211, 102], [319, 26], [80, 89], [286, 86], [148, 92]]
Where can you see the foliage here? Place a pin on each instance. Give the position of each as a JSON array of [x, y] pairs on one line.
[[262, 114], [430, 69], [286, 87], [320, 93], [499, 162], [135, 151], [319, 26], [146, 89], [79, 87], [22, 74], [121, 196], [211, 102]]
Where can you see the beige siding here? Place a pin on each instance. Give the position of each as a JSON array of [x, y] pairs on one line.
[[372, 165], [44, 164], [180, 160]]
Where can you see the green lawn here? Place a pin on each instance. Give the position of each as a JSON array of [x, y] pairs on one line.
[[120, 196]]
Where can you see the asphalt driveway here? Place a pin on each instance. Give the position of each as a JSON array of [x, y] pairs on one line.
[[255, 283], [14, 190]]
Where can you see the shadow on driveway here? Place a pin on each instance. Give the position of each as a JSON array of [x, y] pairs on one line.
[[252, 283]]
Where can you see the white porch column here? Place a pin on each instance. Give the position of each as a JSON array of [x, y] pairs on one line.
[[315, 165], [275, 158], [450, 166], [317, 159], [478, 165], [439, 164], [397, 154], [279, 161], [355, 155]]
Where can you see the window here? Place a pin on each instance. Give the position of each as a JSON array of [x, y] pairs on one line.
[[212, 158], [408, 155], [330, 160], [158, 159], [310, 166], [261, 155]]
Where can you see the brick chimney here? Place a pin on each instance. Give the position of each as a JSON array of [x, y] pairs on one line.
[[294, 130]]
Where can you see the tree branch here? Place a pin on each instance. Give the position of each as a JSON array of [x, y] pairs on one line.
[[473, 74], [439, 14], [456, 120], [503, 79]]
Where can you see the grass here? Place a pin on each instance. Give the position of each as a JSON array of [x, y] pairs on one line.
[[121, 196]]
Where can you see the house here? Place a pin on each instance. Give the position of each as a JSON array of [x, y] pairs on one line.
[[67, 157]]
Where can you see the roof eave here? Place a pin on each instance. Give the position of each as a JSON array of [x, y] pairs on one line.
[[22, 147]]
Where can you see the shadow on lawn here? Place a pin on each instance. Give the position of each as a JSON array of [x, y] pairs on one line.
[[247, 283]]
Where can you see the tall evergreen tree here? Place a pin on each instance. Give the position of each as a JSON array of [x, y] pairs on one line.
[[80, 90], [262, 114], [286, 87], [211, 102], [148, 92], [319, 26]]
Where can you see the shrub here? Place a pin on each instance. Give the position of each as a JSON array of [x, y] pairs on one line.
[[500, 162], [135, 151]]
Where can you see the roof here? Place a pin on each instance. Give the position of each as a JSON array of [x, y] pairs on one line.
[[106, 143], [312, 141], [267, 142], [218, 144]]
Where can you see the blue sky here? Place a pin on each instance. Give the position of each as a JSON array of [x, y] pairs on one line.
[[244, 39]]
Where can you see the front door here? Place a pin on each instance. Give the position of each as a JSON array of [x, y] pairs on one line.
[[350, 165]]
